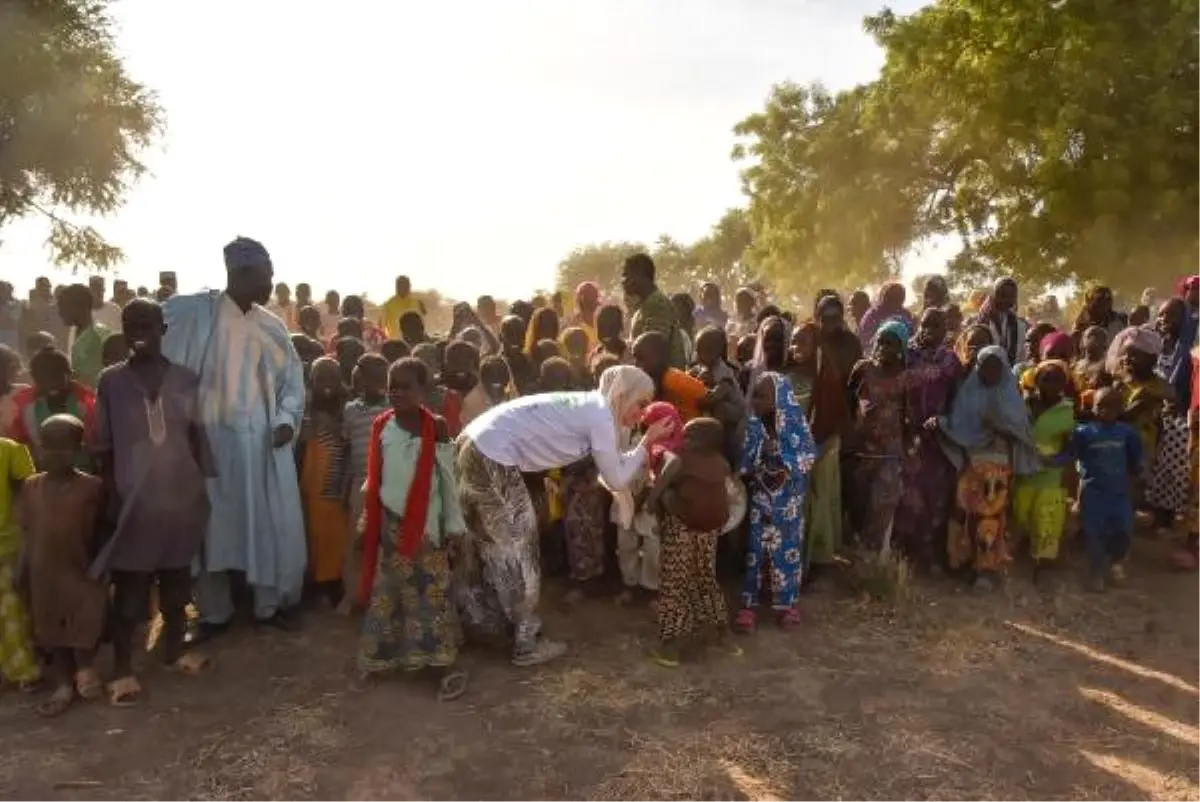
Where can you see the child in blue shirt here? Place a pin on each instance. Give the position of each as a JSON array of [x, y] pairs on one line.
[[1110, 455]]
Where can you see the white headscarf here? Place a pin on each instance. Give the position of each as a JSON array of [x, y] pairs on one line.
[[622, 385], [1141, 338]]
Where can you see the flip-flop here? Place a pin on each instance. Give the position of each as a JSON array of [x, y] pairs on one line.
[[88, 684], [452, 686], [57, 704], [191, 664], [124, 691], [664, 660]]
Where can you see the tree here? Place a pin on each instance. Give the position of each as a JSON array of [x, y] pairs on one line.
[[600, 263], [722, 256], [72, 122], [1055, 140]]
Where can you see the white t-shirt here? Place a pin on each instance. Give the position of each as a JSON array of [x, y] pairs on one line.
[[552, 430]]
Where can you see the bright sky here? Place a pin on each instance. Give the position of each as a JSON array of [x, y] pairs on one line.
[[469, 144]]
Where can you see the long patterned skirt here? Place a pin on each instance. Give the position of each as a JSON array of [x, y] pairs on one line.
[[411, 622], [924, 507], [689, 599], [1167, 488], [876, 497], [583, 525], [776, 548], [325, 517], [977, 537], [17, 661], [499, 582]]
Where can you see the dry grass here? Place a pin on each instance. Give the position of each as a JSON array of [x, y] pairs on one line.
[[1019, 694]]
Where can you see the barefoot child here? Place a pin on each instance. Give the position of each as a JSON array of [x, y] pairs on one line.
[[18, 665], [1110, 454], [778, 454], [695, 507], [321, 480], [357, 419], [412, 523], [60, 509], [154, 459]]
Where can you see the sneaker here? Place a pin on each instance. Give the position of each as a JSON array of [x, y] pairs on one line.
[[541, 652], [1117, 574]]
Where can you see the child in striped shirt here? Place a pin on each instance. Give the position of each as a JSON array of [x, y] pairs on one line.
[[371, 379]]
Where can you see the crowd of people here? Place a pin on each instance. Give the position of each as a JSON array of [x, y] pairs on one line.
[[195, 449]]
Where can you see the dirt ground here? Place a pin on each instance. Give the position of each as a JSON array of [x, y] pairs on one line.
[[1020, 694]]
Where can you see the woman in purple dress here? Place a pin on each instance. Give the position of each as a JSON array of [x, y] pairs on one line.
[[927, 476]]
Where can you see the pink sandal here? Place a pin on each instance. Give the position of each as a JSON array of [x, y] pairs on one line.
[[789, 618], [746, 621]]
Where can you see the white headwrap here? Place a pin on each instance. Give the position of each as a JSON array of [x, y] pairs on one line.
[[622, 385], [1141, 338]]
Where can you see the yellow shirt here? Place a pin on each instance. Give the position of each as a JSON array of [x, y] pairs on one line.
[[15, 466], [392, 310]]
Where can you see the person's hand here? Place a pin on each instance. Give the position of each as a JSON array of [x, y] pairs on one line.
[[282, 435], [657, 431], [932, 424]]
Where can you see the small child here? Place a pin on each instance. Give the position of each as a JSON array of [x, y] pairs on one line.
[[309, 351], [18, 665], [554, 377], [461, 374], [778, 454], [692, 487], [1088, 371], [610, 327], [155, 458], [495, 379], [575, 349], [357, 418], [638, 530], [412, 525], [393, 350], [309, 321], [54, 392], [520, 367], [115, 350], [321, 482], [347, 351], [1040, 499], [87, 346], [60, 510], [1110, 453], [727, 402]]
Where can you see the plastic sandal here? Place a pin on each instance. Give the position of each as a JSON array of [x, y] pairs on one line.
[[452, 686], [790, 618], [746, 621], [191, 663], [124, 691], [88, 684]]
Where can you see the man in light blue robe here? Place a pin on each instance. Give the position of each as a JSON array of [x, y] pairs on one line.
[[252, 403]]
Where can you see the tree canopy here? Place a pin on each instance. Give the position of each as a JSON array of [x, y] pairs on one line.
[[721, 256], [72, 122], [1055, 140]]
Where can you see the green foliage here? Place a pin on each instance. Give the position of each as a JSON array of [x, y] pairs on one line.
[[600, 263], [1056, 140], [720, 256], [72, 122]]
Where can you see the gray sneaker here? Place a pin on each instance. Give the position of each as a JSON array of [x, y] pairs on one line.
[[541, 652]]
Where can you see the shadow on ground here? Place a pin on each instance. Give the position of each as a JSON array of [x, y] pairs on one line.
[[1020, 694]]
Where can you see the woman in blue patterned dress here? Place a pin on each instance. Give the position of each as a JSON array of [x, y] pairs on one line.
[[776, 458]]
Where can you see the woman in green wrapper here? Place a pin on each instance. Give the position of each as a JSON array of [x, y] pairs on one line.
[[819, 387]]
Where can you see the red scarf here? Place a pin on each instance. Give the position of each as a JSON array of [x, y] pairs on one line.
[[416, 506]]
